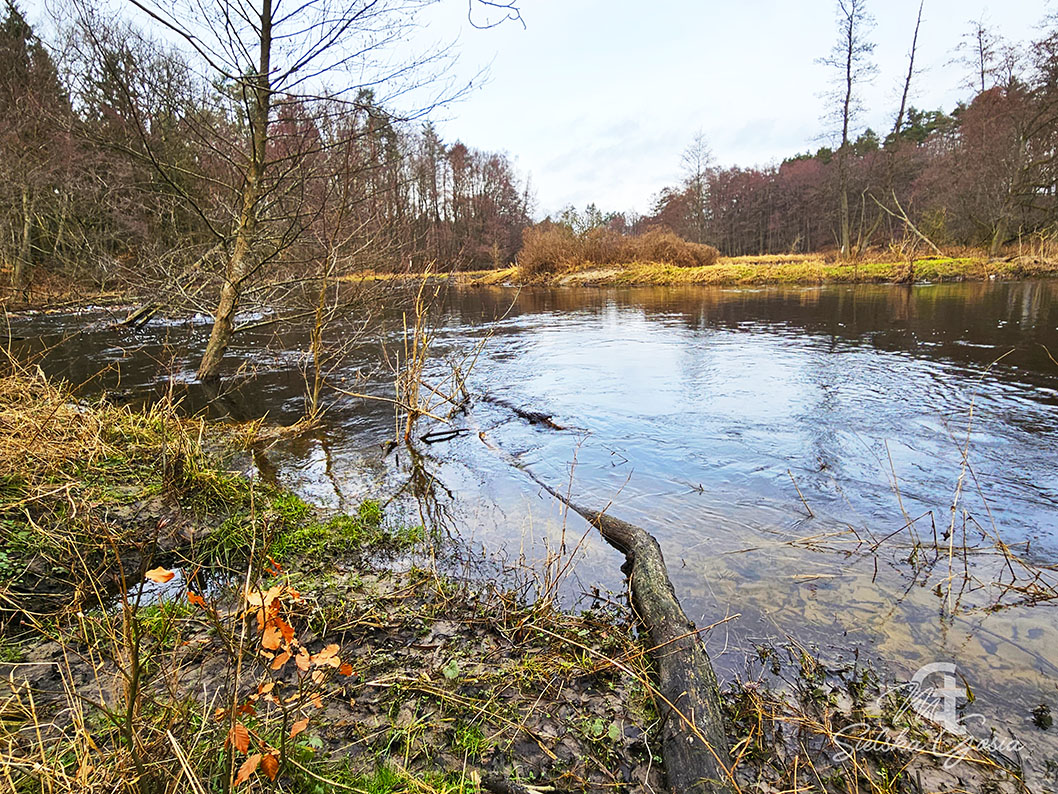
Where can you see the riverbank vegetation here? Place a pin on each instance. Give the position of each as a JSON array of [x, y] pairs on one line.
[[805, 269], [172, 623]]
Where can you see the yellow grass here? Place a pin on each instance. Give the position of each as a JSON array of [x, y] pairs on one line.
[[755, 270], [795, 269]]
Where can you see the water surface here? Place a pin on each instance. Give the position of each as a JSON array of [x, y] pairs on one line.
[[778, 442]]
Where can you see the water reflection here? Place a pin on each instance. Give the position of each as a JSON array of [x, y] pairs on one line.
[[700, 413]]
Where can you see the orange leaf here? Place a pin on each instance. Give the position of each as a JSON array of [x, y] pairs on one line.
[[281, 660], [329, 656], [270, 766], [249, 766], [303, 660], [317, 701], [272, 638], [256, 598], [345, 669], [298, 727], [285, 628], [238, 737], [196, 599], [160, 575]]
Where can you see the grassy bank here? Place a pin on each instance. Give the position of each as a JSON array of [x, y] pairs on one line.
[[172, 625], [56, 294], [799, 269]]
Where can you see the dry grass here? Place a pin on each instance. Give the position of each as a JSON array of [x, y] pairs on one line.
[[42, 430], [793, 269], [89, 492]]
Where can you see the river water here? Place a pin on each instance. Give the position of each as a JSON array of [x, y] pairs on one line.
[[797, 452]]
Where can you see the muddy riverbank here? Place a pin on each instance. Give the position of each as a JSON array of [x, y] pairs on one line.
[[197, 629]]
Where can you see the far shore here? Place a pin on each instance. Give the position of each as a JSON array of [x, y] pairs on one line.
[[791, 270]]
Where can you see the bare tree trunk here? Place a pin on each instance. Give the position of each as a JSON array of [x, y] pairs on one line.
[[843, 152], [61, 230], [24, 260], [223, 325], [898, 125], [239, 266], [843, 199], [910, 74], [999, 236]]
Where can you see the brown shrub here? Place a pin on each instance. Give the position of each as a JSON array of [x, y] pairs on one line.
[[664, 247], [604, 246], [545, 248], [548, 247]]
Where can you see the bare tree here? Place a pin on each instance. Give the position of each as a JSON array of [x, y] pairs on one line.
[[851, 64], [277, 60], [978, 51], [696, 160], [910, 73]]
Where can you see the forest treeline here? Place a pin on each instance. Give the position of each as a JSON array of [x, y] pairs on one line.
[[983, 175], [118, 161]]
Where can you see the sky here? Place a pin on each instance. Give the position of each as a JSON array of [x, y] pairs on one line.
[[595, 100]]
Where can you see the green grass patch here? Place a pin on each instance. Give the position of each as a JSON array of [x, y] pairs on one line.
[[366, 529]]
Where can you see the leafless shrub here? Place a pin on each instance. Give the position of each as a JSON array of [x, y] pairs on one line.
[[549, 247], [664, 247]]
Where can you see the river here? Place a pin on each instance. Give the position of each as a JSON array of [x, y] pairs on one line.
[[796, 451]]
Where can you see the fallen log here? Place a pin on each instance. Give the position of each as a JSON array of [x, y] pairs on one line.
[[694, 744], [141, 316], [532, 417]]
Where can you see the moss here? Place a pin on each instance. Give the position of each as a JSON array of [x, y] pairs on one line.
[[300, 536], [301, 541], [159, 619], [370, 513], [10, 651]]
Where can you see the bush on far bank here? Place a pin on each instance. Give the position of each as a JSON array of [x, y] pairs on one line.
[[550, 247]]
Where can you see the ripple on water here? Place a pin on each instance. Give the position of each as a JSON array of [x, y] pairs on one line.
[[701, 414]]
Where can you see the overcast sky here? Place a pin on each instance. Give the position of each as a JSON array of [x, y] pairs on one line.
[[596, 99]]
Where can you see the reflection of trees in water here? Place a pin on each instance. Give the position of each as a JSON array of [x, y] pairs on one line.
[[422, 482], [953, 317], [1031, 305]]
